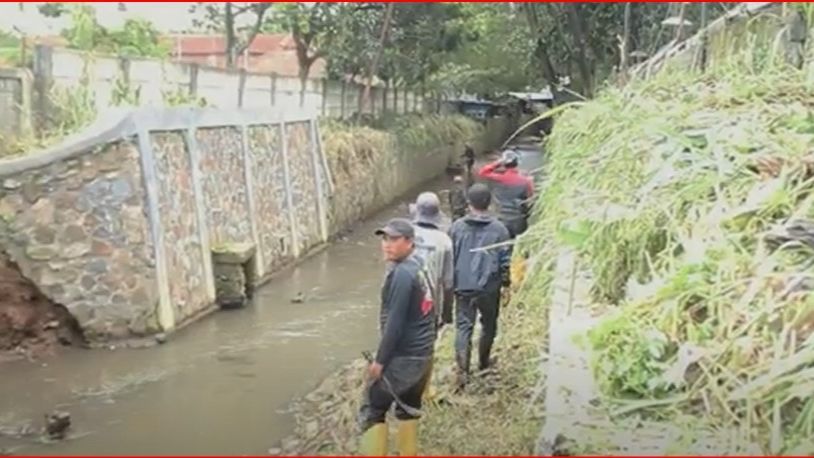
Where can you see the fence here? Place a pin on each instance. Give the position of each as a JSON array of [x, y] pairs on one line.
[[25, 97]]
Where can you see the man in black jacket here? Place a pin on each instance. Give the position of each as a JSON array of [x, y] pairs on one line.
[[481, 257], [401, 367]]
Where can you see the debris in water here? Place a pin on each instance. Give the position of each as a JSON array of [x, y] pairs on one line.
[[275, 451], [57, 424], [299, 298]]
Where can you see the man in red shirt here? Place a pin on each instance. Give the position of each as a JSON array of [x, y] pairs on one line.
[[512, 191]]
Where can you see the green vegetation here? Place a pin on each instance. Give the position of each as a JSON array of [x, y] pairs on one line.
[[683, 195], [136, 38]]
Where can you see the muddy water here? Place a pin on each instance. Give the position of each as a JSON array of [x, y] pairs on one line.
[[223, 384]]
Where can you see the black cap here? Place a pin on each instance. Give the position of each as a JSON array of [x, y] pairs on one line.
[[397, 227], [479, 196]]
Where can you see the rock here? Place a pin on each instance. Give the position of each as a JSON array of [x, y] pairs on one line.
[[44, 235], [57, 424], [12, 184], [43, 211], [299, 298], [73, 234], [161, 338], [88, 282], [98, 266], [75, 250], [101, 248], [275, 451], [53, 324], [41, 252], [31, 192]]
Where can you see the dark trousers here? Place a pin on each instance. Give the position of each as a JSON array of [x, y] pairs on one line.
[[515, 226], [468, 306], [408, 376]]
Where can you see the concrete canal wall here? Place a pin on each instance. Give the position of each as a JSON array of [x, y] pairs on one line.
[[118, 223]]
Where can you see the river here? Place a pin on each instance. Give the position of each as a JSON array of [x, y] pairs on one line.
[[223, 384]]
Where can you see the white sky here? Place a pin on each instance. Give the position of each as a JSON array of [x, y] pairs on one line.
[[167, 17]]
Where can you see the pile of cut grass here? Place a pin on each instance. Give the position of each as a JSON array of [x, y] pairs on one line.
[[667, 189]]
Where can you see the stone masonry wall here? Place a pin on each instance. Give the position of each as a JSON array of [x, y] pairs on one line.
[[82, 227], [77, 230], [273, 228], [182, 236]]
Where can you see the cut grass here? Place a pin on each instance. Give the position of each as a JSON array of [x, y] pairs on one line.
[[667, 189]]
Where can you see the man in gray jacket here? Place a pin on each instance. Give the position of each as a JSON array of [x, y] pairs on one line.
[[481, 258], [434, 248]]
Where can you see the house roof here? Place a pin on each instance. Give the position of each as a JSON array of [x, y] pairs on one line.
[[209, 44]]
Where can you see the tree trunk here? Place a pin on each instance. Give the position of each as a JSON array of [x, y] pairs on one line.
[[624, 51], [578, 35], [371, 71], [231, 38]]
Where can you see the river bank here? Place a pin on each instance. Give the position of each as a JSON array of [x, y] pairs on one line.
[[500, 413]]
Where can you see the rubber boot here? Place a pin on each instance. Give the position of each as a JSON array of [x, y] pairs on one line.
[[484, 351], [407, 438], [374, 441], [429, 391], [462, 358]]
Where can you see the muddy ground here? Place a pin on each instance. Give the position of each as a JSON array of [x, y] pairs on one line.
[[500, 413], [31, 326]]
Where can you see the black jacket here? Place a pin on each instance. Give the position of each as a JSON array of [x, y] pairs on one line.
[[406, 319]]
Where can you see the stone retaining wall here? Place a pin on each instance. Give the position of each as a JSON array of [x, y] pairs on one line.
[[118, 224]]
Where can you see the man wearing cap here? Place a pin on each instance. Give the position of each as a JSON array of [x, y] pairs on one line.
[[513, 191], [481, 268], [402, 363]]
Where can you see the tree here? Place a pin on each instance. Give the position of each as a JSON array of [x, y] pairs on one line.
[[311, 26], [239, 22]]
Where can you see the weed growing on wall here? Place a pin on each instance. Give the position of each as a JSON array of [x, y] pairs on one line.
[[689, 198], [181, 97]]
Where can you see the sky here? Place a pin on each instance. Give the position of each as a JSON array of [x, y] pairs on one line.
[[167, 17]]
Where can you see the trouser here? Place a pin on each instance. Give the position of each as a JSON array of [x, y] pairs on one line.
[[516, 226], [467, 308], [408, 377]]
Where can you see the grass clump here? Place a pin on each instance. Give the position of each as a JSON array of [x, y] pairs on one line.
[[684, 195]]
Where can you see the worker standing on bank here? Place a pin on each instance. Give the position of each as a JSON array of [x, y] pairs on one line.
[[513, 192], [401, 367], [481, 270], [434, 247], [469, 162]]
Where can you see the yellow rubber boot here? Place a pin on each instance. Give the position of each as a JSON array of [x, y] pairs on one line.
[[374, 441], [429, 391], [407, 438]]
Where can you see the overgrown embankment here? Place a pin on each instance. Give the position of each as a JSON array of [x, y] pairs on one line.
[[689, 198], [372, 166]]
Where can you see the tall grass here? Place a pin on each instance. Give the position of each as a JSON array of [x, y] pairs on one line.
[[667, 189]]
